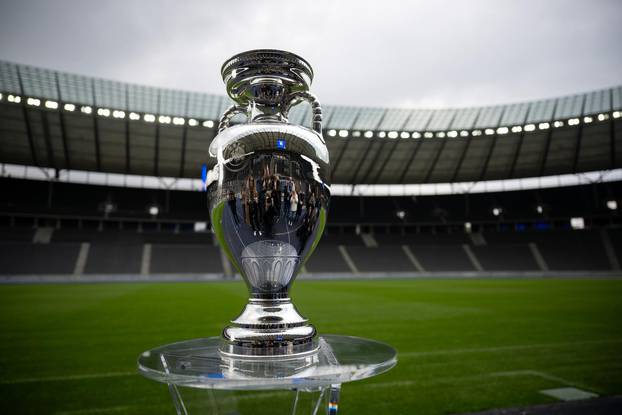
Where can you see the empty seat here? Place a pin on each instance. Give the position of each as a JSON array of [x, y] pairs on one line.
[[185, 259], [29, 258], [442, 258], [380, 259]]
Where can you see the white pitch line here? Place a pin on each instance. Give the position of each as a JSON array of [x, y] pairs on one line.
[[67, 377], [505, 348]]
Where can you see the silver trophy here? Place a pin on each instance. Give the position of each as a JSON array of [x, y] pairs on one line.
[[268, 198]]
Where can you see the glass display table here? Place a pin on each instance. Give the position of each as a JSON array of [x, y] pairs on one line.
[[202, 379]]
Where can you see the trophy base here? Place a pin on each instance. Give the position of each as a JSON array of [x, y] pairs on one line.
[[269, 329]]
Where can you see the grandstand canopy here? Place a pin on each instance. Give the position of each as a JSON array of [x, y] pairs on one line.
[[66, 121]]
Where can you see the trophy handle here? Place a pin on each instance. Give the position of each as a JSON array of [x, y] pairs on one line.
[[231, 112], [315, 107]]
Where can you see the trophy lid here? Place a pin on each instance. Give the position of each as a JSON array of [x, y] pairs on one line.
[[242, 71]]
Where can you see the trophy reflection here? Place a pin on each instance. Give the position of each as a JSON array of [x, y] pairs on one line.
[[268, 198]]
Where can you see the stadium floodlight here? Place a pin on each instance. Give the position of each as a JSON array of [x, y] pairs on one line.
[[530, 127], [489, 131], [497, 211], [392, 134], [416, 134], [69, 107], [134, 116], [369, 134], [544, 126], [164, 119], [404, 134], [118, 114], [617, 114], [104, 112], [332, 133], [16, 99], [452, 134], [1, 96], [179, 121], [343, 133], [200, 226], [517, 129], [476, 133], [603, 117], [208, 124], [587, 120], [573, 121], [149, 118], [440, 134], [192, 122], [85, 109], [35, 102], [612, 204], [428, 134], [464, 133], [401, 214], [153, 210], [51, 105], [468, 227], [356, 134], [539, 209], [382, 134], [503, 130], [577, 223], [558, 124]]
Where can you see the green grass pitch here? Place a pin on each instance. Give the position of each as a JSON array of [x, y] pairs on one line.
[[464, 345]]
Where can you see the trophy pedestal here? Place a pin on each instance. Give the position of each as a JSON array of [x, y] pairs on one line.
[[201, 379]]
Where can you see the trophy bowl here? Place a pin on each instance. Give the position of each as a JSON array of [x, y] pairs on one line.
[[268, 197]]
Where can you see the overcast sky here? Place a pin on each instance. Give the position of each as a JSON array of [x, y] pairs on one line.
[[377, 53]]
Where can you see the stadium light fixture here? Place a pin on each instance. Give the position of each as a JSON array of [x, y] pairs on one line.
[[452, 134], [382, 134], [573, 121], [51, 105], [503, 130], [400, 214], [404, 134], [149, 118], [179, 121], [517, 129], [603, 117], [489, 131], [118, 114], [153, 210], [497, 211], [428, 134], [134, 116], [69, 107], [208, 124], [33, 102], [104, 112], [392, 134], [577, 223], [476, 133], [343, 133], [200, 226], [440, 134], [356, 134], [14, 98], [587, 120], [1, 96], [332, 133], [416, 134], [85, 109], [464, 133], [617, 114], [539, 209], [558, 124], [468, 227], [530, 127], [612, 204], [544, 126], [369, 134], [192, 122], [164, 119]]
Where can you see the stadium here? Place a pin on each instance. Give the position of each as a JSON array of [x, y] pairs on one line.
[[483, 243]]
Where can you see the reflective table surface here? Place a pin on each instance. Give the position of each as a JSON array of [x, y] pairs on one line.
[[199, 364]]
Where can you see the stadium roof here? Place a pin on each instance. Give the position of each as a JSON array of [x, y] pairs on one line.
[[66, 121]]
